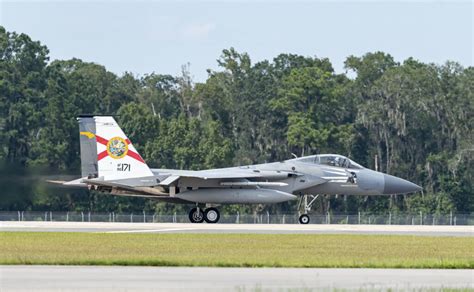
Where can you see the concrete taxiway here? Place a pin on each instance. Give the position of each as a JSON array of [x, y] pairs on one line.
[[101, 227], [93, 278]]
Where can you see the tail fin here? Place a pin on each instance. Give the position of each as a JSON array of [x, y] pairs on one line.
[[88, 146], [115, 155]]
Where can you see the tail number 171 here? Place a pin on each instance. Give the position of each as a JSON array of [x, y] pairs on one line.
[[123, 167]]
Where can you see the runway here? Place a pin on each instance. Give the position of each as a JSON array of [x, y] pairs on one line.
[[101, 227], [90, 278]]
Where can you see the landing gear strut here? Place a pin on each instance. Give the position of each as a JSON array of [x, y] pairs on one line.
[[198, 215], [304, 218]]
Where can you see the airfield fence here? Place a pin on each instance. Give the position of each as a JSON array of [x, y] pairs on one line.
[[265, 218]]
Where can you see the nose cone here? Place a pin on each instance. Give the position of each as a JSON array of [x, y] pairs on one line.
[[396, 185]]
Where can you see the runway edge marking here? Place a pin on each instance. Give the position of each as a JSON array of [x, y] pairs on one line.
[[149, 230]]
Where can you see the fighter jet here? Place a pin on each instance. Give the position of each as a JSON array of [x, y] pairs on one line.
[[111, 164]]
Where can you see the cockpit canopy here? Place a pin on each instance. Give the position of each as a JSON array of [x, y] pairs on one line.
[[331, 160]]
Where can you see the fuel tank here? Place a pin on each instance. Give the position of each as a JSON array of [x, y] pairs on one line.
[[235, 196]]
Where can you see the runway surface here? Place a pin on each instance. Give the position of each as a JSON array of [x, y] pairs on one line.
[[85, 278], [100, 227]]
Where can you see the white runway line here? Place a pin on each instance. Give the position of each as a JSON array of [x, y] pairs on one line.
[[149, 230], [434, 230]]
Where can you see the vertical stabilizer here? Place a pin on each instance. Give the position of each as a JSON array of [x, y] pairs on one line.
[[88, 146], [117, 158]]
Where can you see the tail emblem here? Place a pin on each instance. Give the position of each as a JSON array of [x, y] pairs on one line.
[[116, 147]]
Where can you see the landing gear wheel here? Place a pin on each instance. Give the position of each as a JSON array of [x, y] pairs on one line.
[[196, 216], [211, 215], [304, 219]]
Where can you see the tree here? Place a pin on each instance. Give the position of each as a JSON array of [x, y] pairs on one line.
[[317, 108], [22, 69]]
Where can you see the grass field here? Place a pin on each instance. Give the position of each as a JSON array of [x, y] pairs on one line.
[[237, 250]]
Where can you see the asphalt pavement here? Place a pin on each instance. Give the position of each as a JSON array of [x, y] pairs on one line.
[[97, 278]]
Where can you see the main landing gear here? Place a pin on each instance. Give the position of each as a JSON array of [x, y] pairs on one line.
[[198, 215], [304, 218]]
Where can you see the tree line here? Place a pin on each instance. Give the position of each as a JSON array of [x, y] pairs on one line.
[[409, 119]]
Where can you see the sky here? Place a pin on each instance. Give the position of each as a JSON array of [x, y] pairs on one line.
[[160, 36]]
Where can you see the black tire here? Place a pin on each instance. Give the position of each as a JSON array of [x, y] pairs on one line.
[[196, 217], [212, 215], [304, 219]]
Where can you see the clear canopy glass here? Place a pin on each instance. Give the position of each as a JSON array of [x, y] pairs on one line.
[[331, 160]]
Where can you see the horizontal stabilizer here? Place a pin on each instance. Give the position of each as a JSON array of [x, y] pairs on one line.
[[144, 190], [57, 182], [73, 183]]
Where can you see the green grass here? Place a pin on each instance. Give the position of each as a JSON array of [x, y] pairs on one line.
[[237, 250]]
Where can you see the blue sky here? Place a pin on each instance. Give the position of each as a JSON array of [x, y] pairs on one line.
[[160, 36]]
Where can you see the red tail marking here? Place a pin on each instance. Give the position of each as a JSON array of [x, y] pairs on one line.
[[132, 154], [135, 156], [102, 155], [101, 140]]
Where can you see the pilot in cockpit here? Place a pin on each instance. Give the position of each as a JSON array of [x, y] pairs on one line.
[[338, 161]]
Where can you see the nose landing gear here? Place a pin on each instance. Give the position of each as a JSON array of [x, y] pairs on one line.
[[304, 218], [198, 215]]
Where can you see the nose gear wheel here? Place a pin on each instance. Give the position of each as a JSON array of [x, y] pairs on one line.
[[304, 218]]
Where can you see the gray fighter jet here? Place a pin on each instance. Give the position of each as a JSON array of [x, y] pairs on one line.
[[111, 164]]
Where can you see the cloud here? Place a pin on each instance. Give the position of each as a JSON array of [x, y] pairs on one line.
[[197, 31]]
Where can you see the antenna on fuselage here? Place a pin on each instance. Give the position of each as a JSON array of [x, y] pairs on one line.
[[294, 155]]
